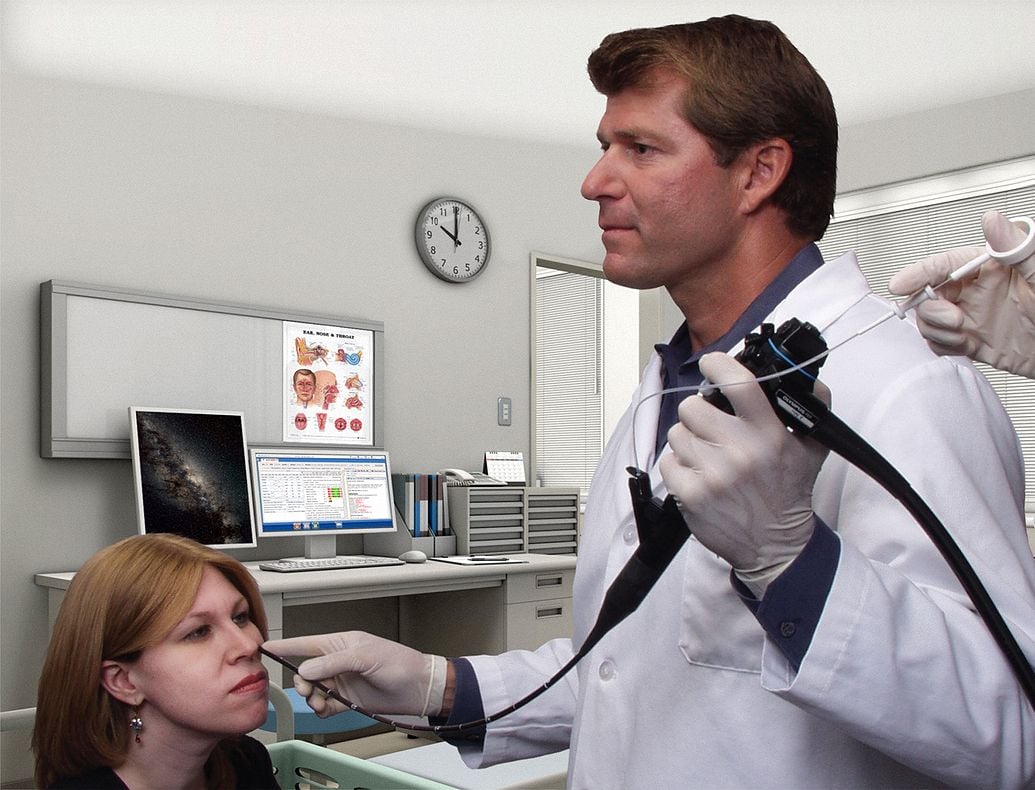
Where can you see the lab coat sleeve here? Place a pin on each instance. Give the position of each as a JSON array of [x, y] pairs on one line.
[[899, 659], [541, 727]]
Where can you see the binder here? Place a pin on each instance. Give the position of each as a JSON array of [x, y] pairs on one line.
[[434, 495], [403, 490], [422, 523]]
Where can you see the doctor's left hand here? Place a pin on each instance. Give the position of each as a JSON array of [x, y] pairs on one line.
[[744, 483]]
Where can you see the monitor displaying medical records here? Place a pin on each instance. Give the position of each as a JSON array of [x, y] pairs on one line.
[[315, 492]]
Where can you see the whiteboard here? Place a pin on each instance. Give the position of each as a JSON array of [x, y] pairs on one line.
[[104, 350]]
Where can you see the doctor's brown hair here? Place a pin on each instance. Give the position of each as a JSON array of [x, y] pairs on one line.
[[125, 598], [746, 84]]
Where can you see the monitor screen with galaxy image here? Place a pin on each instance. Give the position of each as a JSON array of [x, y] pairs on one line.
[[190, 471]]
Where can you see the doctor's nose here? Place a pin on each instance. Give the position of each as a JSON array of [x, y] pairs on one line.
[[601, 181]]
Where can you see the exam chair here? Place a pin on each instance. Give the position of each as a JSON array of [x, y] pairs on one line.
[[291, 718]]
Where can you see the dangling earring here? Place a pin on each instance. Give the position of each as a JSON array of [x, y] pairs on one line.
[[136, 724]]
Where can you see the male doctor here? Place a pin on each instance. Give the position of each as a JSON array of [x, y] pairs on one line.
[[806, 636]]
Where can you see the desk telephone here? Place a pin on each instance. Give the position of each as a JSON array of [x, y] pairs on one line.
[[501, 467], [458, 477]]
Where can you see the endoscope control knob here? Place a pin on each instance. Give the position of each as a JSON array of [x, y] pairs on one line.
[[770, 351]]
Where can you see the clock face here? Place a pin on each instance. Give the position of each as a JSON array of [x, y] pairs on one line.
[[452, 240]]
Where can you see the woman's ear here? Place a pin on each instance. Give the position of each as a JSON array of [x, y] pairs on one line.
[[765, 167], [116, 680]]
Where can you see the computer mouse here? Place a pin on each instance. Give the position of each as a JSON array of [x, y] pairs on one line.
[[413, 555]]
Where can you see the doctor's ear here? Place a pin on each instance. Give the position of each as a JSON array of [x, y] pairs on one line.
[[764, 166], [116, 680]]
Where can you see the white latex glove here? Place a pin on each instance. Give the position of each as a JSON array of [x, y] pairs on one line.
[[377, 674], [744, 483], [989, 316]]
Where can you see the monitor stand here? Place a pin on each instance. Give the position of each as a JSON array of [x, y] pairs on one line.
[[321, 547]]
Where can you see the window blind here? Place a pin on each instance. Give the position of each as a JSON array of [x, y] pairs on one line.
[[886, 237], [569, 406]]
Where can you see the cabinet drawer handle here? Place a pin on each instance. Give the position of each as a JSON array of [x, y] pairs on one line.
[[548, 581], [548, 611]]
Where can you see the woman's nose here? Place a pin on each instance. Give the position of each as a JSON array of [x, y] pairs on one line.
[[244, 642]]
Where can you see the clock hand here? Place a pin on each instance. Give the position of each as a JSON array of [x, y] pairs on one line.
[[456, 241], [456, 226]]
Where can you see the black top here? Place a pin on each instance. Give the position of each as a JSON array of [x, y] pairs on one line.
[[250, 759]]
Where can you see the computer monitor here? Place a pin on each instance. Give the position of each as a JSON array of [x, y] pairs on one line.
[[320, 493], [190, 474]]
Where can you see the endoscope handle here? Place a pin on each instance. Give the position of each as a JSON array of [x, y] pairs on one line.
[[768, 353], [661, 526], [662, 532]]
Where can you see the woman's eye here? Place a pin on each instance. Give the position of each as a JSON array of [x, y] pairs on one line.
[[242, 619], [198, 633]]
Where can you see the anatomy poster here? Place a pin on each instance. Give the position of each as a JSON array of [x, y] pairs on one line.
[[328, 384]]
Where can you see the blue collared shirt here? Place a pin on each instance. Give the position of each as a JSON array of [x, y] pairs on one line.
[[680, 362]]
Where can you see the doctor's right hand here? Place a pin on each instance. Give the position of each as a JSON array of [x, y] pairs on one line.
[[377, 674], [988, 316]]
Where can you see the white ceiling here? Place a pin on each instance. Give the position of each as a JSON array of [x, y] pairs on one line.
[[513, 68]]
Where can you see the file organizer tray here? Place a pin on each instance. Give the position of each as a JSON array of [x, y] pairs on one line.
[[392, 544]]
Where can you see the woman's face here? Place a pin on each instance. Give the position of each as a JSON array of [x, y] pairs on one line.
[[206, 676]]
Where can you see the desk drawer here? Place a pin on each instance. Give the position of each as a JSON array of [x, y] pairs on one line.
[[539, 586], [533, 623]]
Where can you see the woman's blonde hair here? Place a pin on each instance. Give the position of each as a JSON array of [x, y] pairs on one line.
[[125, 598]]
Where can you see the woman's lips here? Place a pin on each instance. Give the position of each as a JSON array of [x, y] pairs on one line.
[[250, 683]]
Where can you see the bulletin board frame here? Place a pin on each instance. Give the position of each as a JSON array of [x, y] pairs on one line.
[[104, 349]]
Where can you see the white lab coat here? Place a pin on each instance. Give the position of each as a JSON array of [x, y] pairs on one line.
[[902, 681]]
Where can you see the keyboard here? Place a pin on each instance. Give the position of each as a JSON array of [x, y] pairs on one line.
[[338, 563]]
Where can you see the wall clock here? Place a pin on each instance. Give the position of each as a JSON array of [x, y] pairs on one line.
[[452, 240]]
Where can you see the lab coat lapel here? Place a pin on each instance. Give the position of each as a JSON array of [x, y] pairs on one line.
[[811, 301]]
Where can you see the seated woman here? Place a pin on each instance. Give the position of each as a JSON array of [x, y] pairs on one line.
[[153, 673]]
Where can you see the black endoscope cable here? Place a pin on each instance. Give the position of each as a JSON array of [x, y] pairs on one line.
[[622, 598], [833, 434], [790, 394], [663, 530]]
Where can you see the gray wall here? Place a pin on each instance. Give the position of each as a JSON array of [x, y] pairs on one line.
[[270, 208], [304, 212], [992, 129]]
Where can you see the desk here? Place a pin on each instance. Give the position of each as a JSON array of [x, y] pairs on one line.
[[435, 607]]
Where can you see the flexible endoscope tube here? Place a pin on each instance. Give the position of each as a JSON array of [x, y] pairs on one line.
[[835, 435], [663, 531], [659, 544], [438, 729]]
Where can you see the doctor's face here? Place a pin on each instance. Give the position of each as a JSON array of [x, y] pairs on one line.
[[666, 208], [205, 677]]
